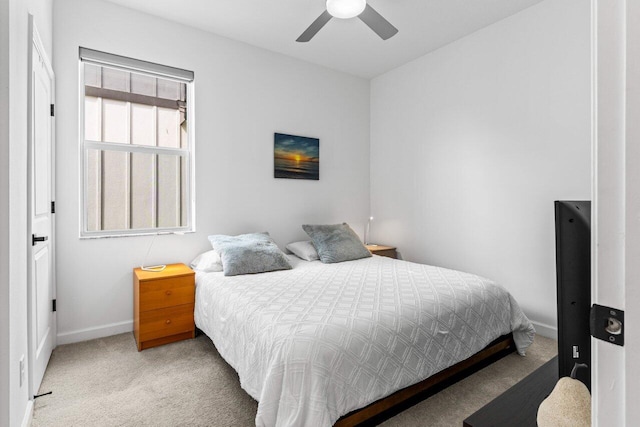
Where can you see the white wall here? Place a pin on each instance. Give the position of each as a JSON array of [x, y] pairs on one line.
[[471, 144], [243, 95], [14, 42], [5, 293]]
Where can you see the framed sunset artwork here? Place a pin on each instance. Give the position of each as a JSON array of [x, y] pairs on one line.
[[296, 157]]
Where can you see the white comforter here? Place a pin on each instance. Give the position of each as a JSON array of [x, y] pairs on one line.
[[314, 343]]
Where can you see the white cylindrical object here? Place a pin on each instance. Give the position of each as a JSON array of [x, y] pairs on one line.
[[345, 9], [367, 231]]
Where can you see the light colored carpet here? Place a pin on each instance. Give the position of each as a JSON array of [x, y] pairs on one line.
[[107, 382]]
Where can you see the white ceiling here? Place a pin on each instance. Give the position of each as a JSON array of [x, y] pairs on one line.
[[344, 45]]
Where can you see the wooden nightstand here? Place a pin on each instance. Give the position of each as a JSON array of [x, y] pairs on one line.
[[388, 251], [163, 305]]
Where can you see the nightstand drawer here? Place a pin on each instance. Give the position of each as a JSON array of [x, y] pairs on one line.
[[166, 293], [166, 321]]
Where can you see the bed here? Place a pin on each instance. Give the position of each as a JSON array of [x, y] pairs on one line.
[[320, 341]]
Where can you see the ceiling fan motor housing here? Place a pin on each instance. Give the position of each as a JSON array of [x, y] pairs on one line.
[[346, 9]]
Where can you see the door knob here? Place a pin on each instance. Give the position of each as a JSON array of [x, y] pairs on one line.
[[35, 239]]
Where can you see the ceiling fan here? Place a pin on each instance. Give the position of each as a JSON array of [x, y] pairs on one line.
[[346, 9]]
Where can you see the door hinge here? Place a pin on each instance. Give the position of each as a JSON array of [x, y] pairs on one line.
[[607, 324], [54, 305], [53, 110], [53, 207]]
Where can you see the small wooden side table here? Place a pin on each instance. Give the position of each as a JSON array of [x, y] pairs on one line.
[[163, 304], [388, 251]]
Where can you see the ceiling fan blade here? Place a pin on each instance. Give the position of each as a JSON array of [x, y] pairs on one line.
[[314, 27], [377, 23]]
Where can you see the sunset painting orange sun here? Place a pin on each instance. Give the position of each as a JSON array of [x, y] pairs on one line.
[[296, 157]]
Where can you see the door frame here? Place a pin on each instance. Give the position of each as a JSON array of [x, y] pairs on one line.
[[632, 213], [35, 42], [615, 242]]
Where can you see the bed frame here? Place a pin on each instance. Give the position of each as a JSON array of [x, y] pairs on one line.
[[402, 399]]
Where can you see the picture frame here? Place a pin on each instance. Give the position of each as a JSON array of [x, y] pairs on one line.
[[296, 157]]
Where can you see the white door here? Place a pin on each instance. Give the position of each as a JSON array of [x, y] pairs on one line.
[[616, 207], [632, 215], [40, 175]]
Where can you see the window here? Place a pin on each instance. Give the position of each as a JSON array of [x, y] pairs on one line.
[[136, 146]]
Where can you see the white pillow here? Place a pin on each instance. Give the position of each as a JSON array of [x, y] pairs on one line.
[[207, 262], [304, 250]]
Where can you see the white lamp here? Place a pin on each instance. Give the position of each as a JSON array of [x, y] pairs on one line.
[[345, 9], [367, 231], [156, 268]]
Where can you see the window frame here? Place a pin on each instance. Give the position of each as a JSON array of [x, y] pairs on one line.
[[88, 56]]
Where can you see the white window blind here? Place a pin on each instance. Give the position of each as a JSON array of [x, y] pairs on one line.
[[136, 146]]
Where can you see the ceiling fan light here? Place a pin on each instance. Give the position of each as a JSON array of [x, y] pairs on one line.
[[345, 9]]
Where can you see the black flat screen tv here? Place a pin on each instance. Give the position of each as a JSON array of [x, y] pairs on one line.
[[573, 271]]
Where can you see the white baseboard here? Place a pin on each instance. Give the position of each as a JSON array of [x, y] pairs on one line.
[[546, 330], [96, 332], [28, 414]]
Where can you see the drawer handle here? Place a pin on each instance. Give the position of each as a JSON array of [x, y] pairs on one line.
[[168, 321], [168, 293]]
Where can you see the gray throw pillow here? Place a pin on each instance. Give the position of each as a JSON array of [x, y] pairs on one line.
[[249, 253], [336, 243]]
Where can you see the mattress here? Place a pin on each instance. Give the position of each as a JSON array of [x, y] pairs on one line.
[[316, 342]]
